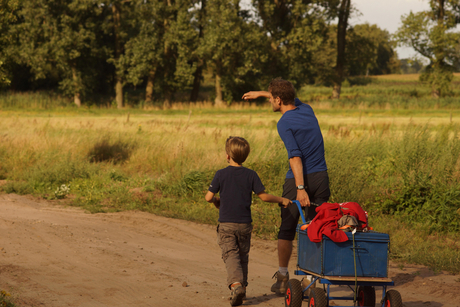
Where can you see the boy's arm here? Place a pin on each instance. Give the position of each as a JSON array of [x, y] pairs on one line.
[[269, 198], [210, 198]]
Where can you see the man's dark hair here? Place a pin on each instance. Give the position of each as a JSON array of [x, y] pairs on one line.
[[237, 148], [282, 89]]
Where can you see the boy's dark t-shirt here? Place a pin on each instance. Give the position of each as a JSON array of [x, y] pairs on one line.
[[236, 184]]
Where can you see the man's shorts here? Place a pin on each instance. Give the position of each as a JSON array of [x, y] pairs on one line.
[[317, 187]]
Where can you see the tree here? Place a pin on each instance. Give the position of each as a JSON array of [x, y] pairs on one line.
[[296, 32], [119, 26], [343, 14], [60, 35], [198, 55], [161, 50], [411, 65], [233, 48], [8, 9], [430, 34], [370, 51], [223, 37], [144, 50]]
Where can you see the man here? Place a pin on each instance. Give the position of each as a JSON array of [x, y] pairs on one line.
[[307, 178]]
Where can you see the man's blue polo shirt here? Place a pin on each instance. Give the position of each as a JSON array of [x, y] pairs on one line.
[[300, 132]]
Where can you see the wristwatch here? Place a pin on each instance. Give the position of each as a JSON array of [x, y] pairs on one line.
[[300, 187]]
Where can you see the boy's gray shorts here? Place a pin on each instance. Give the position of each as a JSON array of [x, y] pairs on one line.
[[235, 241]]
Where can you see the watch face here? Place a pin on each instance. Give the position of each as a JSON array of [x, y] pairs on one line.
[[300, 187]]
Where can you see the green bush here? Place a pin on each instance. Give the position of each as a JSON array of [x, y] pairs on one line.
[[17, 187], [52, 174]]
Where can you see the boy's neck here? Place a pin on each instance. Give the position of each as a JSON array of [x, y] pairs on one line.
[[233, 163]]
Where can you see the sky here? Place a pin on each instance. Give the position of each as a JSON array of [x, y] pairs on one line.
[[386, 14]]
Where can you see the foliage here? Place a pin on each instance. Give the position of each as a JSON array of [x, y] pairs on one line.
[[63, 38], [414, 244], [411, 65], [429, 33], [369, 51], [85, 49], [416, 191], [381, 58], [8, 17], [399, 163], [296, 31], [161, 48], [5, 299], [62, 191]]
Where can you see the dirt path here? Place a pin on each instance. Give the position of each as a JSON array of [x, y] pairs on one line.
[[55, 256]]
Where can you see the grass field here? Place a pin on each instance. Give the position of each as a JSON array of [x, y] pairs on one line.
[[401, 164]]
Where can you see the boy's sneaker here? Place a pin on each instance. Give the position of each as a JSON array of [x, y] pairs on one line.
[[238, 293], [279, 287]]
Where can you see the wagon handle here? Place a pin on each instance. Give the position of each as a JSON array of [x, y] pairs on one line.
[[301, 211]]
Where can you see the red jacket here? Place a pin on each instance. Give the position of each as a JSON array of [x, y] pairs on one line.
[[325, 222]]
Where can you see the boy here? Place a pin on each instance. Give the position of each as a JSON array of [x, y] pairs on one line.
[[236, 184]]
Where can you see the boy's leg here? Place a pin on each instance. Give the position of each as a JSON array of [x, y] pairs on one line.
[[244, 244], [228, 242]]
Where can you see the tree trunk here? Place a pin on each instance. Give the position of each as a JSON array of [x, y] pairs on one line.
[[344, 12], [76, 95], [199, 69], [439, 53], [167, 101], [118, 52], [76, 99], [219, 102], [441, 12], [119, 93], [336, 91], [149, 87], [196, 82]]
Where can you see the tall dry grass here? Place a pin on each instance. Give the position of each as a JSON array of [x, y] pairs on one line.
[[393, 162]]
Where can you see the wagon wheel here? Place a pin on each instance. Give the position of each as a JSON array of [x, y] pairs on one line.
[[317, 298], [366, 296], [393, 299], [294, 295]]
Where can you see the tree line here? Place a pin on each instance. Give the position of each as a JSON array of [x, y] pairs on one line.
[[89, 47]]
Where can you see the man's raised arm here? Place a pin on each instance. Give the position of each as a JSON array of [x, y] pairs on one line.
[[256, 94]]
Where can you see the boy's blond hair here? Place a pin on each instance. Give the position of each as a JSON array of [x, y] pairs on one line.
[[237, 148]]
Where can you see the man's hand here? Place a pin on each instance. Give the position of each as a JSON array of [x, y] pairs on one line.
[[255, 95], [286, 202], [303, 198]]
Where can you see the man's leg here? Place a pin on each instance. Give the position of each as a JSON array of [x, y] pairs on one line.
[[289, 219], [284, 252]]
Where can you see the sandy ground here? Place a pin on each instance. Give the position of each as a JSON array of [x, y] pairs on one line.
[[55, 256]]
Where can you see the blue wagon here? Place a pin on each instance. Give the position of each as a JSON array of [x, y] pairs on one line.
[[361, 263]]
